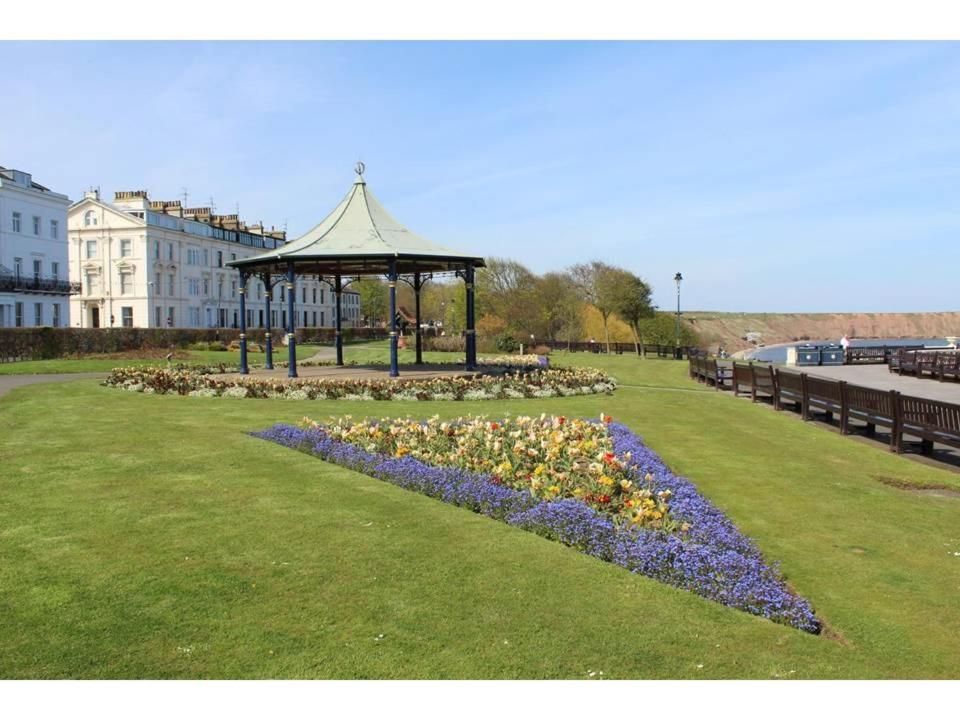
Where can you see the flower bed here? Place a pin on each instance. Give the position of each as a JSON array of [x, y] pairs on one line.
[[539, 383], [514, 361], [694, 547]]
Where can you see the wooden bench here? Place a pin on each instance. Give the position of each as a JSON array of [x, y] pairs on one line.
[[871, 406], [763, 382], [949, 367], [823, 395], [791, 388], [906, 362], [930, 420], [742, 377]]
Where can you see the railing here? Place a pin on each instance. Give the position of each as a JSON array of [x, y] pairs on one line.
[[198, 228], [880, 354], [52, 285], [932, 421], [620, 348]]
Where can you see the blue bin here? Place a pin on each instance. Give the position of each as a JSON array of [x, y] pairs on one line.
[[808, 355], [831, 355]]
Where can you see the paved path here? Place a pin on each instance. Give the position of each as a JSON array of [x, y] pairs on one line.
[[9, 382], [877, 376]]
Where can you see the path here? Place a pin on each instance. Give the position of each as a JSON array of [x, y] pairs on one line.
[[10, 382], [877, 376]]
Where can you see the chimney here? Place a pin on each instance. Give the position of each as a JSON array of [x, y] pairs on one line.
[[92, 194]]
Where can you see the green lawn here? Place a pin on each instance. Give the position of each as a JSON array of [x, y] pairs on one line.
[[151, 537], [197, 357]]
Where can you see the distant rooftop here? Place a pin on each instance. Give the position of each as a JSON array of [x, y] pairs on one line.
[[24, 179]]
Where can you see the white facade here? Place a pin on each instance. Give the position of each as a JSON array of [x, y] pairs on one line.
[[34, 287], [155, 264]]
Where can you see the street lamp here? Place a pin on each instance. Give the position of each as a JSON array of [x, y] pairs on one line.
[[678, 278]]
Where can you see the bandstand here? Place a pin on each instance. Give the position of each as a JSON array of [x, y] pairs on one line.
[[359, 238]]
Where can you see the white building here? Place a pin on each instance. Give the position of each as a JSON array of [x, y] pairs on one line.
[[144, 263], [34, 289]]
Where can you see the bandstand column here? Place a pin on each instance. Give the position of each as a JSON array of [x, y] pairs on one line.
[[291, 324], [244, 369], [265, 278], [338, 336], [416, 295], [392, 282], [470, 342]]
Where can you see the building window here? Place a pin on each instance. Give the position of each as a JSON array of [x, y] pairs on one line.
[[156, 252], [321, 296], [170, 251], [193, 288], [93, 284], [38, 314], [171, 285], [37, 270], [206, 257], [206, 286], [55, 270], [56, 314], [305, 318], [126, 316], [303, 294], [16, 225], [126, 247], [158, 284], [54, 229], [195, 316], [158, 316], [323, 318], [89, 218], [126, 283], [314, 318], [219, 258], [171, 318], [91, 249], [193, 256], [18, 266], [233, 288], [314, 296], [18, 314], [36, 225]]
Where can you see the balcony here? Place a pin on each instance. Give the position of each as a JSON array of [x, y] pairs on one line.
[[38, 284]]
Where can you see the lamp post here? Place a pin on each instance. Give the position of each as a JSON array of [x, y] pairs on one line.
[[678, 278]]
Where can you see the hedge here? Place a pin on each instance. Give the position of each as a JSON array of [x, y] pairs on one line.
[[46, 343]]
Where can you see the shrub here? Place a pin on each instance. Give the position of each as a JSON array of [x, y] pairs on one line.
[[507, 343]]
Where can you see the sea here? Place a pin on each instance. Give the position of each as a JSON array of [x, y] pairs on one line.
[[778, 354]]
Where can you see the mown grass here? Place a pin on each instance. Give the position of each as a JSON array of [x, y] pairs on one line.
[[145, 536], [94, 364]]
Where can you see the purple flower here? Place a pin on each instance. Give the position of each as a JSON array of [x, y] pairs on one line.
[[712, 559]]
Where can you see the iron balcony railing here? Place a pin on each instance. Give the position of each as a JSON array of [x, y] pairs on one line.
[[38, 284]]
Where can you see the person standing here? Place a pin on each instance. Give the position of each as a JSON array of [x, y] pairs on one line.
[[844, 343]]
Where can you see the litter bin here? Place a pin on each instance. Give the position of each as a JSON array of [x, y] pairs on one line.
[[808, 355], [831, 355]]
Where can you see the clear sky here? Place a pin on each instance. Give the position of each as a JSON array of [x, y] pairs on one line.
[[775, 176]]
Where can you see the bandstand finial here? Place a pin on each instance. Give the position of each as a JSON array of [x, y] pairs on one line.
[[360, 167]]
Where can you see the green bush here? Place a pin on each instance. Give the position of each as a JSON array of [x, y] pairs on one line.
[[507, 343]]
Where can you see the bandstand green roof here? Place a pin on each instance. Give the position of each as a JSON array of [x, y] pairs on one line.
[[359, 237]]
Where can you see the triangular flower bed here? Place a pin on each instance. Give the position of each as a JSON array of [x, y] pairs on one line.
[[699, 549]]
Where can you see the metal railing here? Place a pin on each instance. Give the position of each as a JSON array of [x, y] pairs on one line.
[[38, 284]]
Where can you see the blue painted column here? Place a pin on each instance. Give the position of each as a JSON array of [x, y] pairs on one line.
[[291, 336], [471, 338], [244, 369], [392, 277], [338, 339], [269, 339], [417, 284]]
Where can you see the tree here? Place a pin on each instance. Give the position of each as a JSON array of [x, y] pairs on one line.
[[597, 283], [557, 307], [374, 299], [506, 288], [631, 301]]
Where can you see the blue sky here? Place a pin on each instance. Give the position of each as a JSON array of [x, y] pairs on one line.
[[775, 176]]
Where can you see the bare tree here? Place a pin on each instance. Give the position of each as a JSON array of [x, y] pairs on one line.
[[597, 283]]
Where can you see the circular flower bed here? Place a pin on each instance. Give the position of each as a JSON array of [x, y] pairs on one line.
[[509, 383]]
